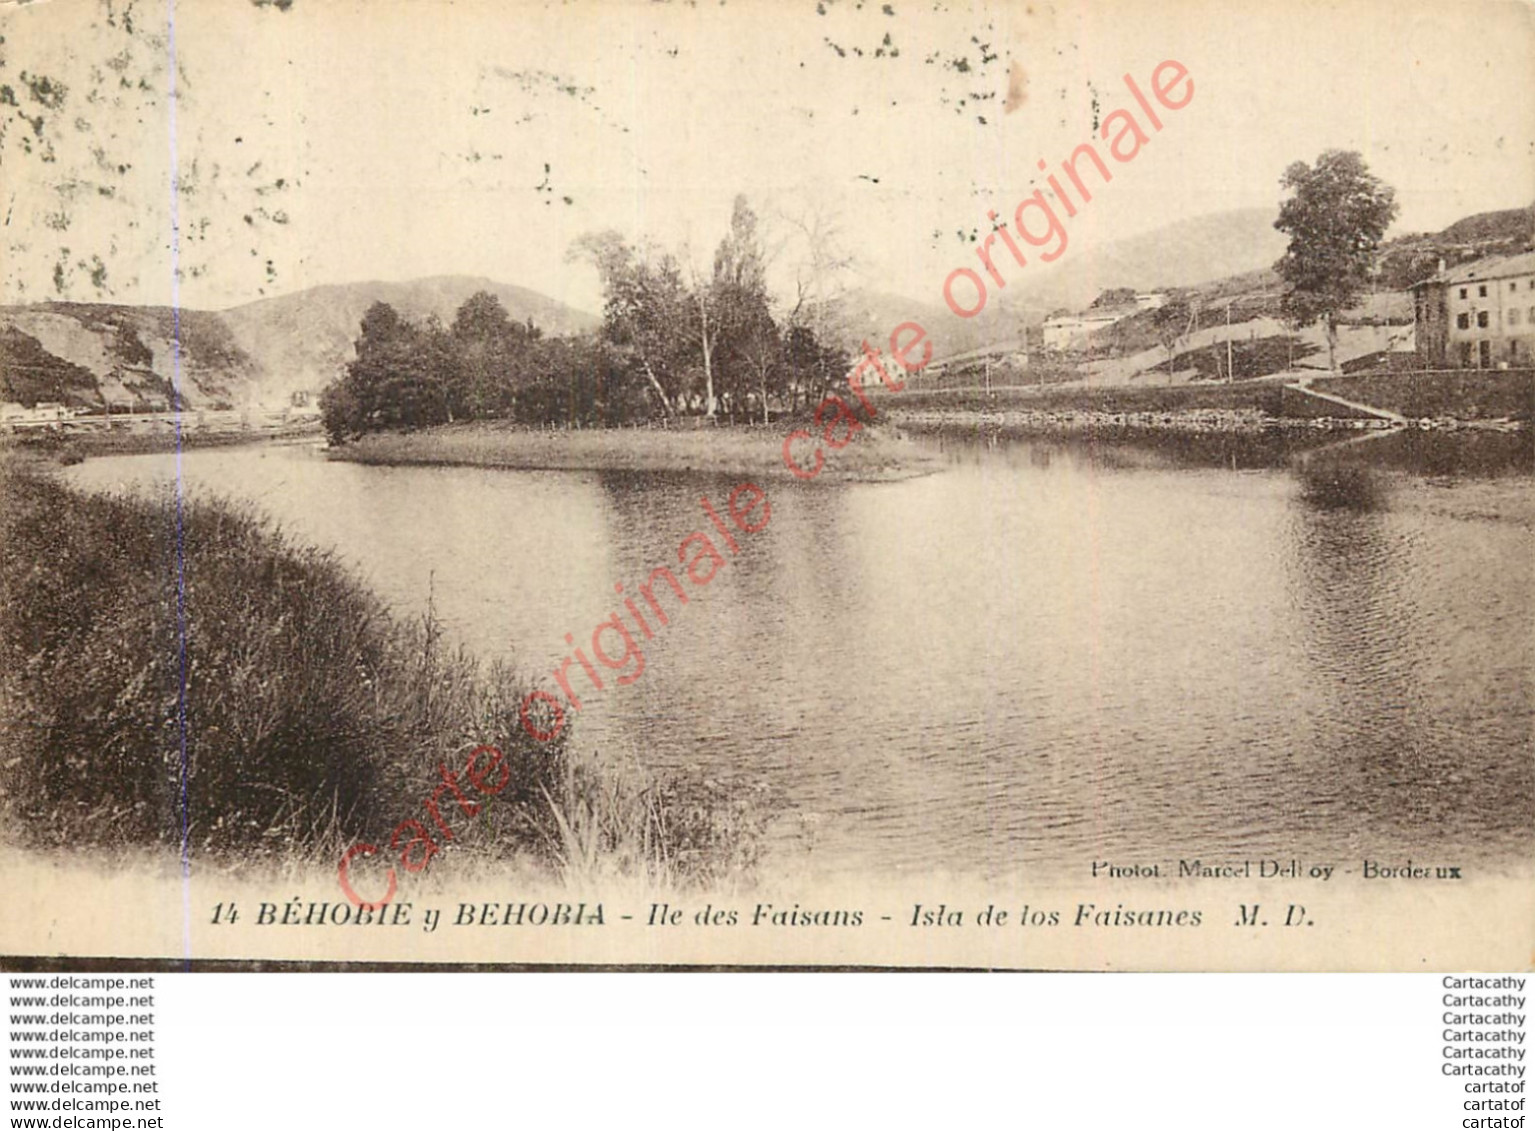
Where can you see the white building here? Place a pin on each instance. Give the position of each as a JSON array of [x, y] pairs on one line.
[[1074, 331]]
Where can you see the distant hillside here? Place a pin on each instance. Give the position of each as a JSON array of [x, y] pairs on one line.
[[88, 354], [866, 314], [1182, 254], [302, 340], [91, 355], [1412, 258]]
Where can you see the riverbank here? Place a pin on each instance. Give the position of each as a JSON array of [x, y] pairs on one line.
[[1023, 421], [1463, 395], [179, 667], [876, 453], [1503, 399], [73, 446]]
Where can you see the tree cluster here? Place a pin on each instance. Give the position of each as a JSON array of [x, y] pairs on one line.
[[483, 366], [710, 345], [670, 345]]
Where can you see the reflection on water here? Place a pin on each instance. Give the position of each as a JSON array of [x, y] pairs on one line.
[[1328, 483], [1463, 454], [1046, 654]]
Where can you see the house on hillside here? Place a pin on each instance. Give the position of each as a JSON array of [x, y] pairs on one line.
[[1479, 315], [1073, 331], [1065, 331]]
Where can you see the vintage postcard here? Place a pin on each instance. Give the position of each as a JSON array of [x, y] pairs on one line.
[[817, 484]]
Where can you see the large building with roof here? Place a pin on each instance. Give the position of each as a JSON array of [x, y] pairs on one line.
[[1479, 315]]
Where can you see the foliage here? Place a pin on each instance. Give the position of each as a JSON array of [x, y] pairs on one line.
[[645, 310], [683, 830], [751, 349], [483, 367], [1249, 359], [1113, 297], [260, 701], [1172, 322], [493, 351], [260, 698], [1336, 218], [668, 346]]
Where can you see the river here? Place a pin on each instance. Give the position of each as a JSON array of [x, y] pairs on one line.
[[1045, 654]]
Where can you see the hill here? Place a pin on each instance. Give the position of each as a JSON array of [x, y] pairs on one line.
[[303, 339], [866, 314], [90, 355], [1214, 258], [1409, 259], [1182, 254]]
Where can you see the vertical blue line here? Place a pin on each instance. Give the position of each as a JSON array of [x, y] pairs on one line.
[[181, 571]]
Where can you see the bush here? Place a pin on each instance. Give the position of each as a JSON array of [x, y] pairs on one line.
[[302, 713], [258, 702]]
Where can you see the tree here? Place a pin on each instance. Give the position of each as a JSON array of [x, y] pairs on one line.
[[494, 355], [1335, 220], [1114, 296], [439, 368], [814, 366], [708, 331], [402, 376], [645, 305], [823, 269], [1172, 321], [341, 412], [802, 354], [749, 344], [580, 381], [761, 350], [409, 375]]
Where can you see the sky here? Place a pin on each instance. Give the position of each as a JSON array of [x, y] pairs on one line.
[[323, 141]]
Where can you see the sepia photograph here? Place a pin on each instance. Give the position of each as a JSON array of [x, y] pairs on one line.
[[806, 484]]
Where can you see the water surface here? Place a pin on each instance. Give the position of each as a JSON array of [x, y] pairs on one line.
[[1047, 653]]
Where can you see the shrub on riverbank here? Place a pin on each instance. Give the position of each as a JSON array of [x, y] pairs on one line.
[[256, 700]]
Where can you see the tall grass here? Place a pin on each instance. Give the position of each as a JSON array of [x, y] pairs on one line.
[[612, 820], [260, 703]]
